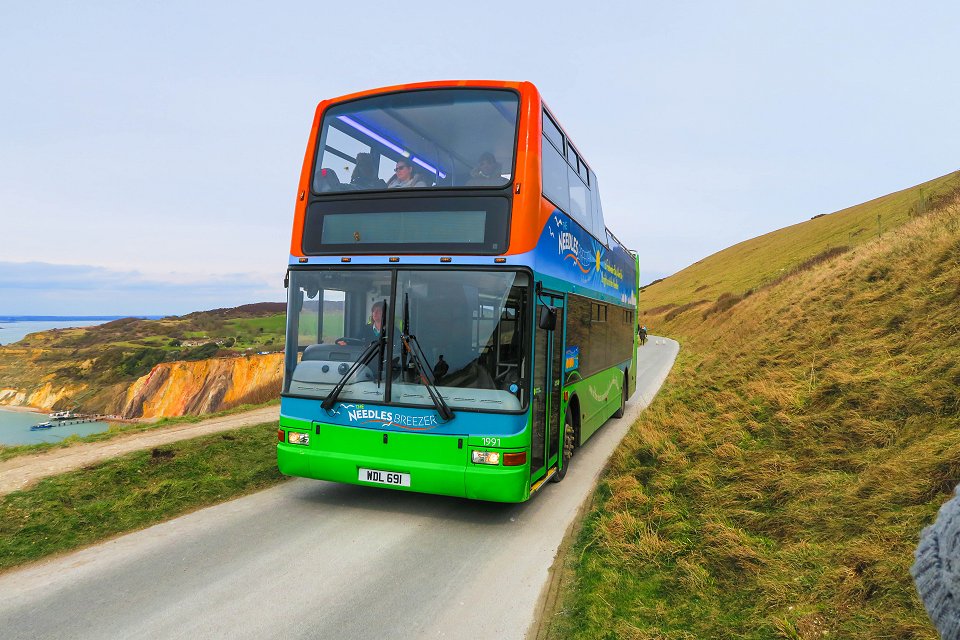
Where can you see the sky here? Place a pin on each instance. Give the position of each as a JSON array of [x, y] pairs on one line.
[[150, 151]]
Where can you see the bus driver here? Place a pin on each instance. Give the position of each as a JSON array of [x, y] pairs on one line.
[[371, 331]]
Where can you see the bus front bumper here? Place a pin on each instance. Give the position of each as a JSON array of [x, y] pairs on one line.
[[437, 464]]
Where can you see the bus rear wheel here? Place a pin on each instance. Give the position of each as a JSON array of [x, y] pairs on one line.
[[569, 442], [623, 396]]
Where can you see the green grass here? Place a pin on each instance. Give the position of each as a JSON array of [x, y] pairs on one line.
[[274, 326], [332, 326], [134, 491], [117, 429], [777, 486]]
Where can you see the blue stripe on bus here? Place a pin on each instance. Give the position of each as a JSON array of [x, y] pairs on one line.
[[406, 419], [579, 263]]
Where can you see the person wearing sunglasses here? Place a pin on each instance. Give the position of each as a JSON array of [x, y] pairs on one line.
[[404, 176]]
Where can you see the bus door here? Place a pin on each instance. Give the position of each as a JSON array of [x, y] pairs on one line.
[[547, 383]]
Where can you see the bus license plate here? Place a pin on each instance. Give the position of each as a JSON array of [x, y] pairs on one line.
[[385, 477]]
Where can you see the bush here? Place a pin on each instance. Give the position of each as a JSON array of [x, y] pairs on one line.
[[140, 362], [202, 352]]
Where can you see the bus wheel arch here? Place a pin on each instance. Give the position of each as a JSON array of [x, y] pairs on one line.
[[571, 438], [623, 394], [573, 410]]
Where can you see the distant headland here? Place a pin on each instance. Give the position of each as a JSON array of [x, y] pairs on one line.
[[80, 318]]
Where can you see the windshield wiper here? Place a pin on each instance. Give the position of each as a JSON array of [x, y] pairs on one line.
[[377, 347], [412, 347]]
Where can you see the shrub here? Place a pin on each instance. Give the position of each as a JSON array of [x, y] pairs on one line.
[[202, 352], [140, 362]]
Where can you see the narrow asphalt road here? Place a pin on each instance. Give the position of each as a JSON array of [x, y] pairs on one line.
[[312, 559]]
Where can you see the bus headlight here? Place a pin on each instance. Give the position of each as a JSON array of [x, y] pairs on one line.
[[296, 437], [486, 457]]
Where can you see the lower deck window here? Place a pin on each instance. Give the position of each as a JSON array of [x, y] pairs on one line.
[[466, 327]]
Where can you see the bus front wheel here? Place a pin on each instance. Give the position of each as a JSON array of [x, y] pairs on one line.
[[569, 441]]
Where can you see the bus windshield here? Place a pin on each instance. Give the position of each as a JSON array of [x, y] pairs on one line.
[[468, 326], [421, 139]]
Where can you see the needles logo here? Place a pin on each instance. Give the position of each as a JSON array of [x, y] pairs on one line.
[[359, 415]]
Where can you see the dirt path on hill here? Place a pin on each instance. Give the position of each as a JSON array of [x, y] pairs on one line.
[[22, 471]]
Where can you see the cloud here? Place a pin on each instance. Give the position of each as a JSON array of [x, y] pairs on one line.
[[35, 288]]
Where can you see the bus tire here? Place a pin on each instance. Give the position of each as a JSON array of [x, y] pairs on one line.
[[569, 443], [623, 396]]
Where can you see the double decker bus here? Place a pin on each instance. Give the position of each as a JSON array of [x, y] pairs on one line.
[[460, 319]]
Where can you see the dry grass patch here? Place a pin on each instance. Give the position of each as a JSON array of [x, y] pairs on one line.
[[777, 486]]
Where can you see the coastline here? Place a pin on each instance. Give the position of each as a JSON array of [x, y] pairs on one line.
[[20, 409], [108, 419]]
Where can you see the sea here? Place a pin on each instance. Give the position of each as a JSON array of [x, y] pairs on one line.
[[15, 428], [15, 328], [15, 425]]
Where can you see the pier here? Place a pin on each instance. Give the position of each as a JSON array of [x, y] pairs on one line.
[[63, 422]]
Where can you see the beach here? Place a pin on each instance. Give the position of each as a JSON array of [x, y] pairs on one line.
[[22, 409]]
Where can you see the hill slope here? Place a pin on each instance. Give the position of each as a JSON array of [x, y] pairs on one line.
[[760, 261], [778, 485], [92, 368]]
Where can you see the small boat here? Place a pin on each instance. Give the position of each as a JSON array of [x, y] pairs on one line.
[[63, 415], [42, 425]]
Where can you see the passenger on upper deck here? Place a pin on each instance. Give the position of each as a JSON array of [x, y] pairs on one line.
[[327, 180], [487, 173], [404, 176], [365, 173]]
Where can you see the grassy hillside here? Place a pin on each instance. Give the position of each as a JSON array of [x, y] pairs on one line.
[[777, 486], [95, 364], [760, 261]]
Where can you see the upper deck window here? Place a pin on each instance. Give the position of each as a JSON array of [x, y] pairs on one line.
[[567, 180], [552, 132], [471, 225], [438, 138]]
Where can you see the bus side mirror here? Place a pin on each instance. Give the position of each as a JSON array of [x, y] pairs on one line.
[[548, 318]]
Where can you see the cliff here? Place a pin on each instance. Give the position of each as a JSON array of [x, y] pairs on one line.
[[170, 389], [147, 368], [204, 386], [43, 397]]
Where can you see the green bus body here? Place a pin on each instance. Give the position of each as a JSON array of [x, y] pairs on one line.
[[441, 464]]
